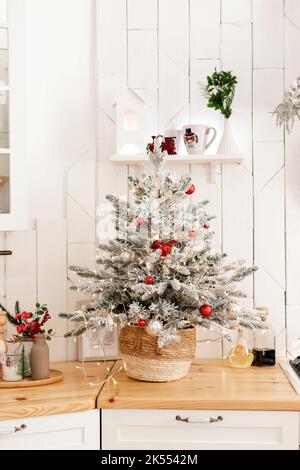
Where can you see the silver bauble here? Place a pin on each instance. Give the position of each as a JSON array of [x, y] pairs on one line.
[[125, 256], [153, 327], [233, 311]]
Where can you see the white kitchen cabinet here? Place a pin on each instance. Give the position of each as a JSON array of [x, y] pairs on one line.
[[159, 429], [72, 431], [14, 177]]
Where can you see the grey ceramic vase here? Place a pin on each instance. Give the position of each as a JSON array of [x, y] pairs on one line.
[[40, 359]]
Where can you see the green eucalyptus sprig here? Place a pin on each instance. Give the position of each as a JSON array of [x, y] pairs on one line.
[[219, 91]]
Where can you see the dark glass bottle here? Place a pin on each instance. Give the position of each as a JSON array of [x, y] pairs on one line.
[[264, 342]]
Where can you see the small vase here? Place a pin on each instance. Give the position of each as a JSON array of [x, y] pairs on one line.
[[40, 359], [227, 145], [24, 351], [240, 355]]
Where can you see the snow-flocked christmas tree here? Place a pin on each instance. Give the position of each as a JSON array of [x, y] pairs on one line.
[[160, 272]]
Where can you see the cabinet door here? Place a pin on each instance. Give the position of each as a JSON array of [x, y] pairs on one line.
[[13, 165], [72, 431], [159, 429]]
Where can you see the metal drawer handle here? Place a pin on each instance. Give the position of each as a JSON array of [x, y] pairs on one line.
[[5, 432], [199, 419]]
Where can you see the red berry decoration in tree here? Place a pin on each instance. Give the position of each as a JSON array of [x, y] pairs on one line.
[[205, 226], [141, 323], [157, 244], [165, 250], [149, 280], [206, 310], [191, 190], [140, 221], [192, 233]]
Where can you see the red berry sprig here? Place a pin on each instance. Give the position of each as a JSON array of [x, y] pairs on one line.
[[149, 280], [141, 323]]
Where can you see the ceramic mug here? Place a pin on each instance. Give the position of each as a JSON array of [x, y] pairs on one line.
[[10, 368], [195, 138], [179, 139]]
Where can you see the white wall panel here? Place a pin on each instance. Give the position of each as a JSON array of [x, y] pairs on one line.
[[292, 44], [269, 229], [81, 182], [236, 11], [265, 128], [236, 55], [267, 89], [173, 64], [111, 36], [205, 29], [81, 226], [174, 93], [142, 14], [52, 268], [142, 59], [268, 160], [237, 217], [241, 125], [21, 281], [292, 11], [268, 33], [174, 31]]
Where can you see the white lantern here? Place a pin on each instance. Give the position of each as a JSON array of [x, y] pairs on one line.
[[130, 123]]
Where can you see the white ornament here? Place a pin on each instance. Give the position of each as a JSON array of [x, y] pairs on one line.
[[153, 327], [125, 256], [233, 310]]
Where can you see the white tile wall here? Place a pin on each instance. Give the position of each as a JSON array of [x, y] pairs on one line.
[[259, 40]]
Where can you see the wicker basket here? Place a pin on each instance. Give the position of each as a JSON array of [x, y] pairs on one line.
[[143, 360]]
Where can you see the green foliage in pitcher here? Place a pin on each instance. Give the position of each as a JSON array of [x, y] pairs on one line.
[[219, 91]]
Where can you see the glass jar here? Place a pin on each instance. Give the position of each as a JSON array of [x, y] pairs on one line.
[[264, 342], [240, 355]]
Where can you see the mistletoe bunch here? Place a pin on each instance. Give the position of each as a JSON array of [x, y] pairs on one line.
[[219, 91]]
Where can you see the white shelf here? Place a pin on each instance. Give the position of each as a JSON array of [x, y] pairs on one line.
[[212, 160]]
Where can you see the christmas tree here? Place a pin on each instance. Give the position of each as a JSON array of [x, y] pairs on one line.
[[24, 366], [160, 271]]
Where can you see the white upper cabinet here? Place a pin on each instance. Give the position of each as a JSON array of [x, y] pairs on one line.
[[13, 176]]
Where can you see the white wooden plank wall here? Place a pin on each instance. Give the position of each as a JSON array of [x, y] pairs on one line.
[[164, 48]]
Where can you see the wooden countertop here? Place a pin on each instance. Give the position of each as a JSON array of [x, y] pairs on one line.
[[72, 394], [210, 384]]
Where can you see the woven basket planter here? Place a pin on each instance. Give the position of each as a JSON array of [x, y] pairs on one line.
[[143, 360]]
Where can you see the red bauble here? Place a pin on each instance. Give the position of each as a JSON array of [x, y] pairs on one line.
[[149, 280], [157, 244], [206, 310], [205, 226], [141, 323], [172, 243], [190, 190], [165, 250], [192, 233]]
